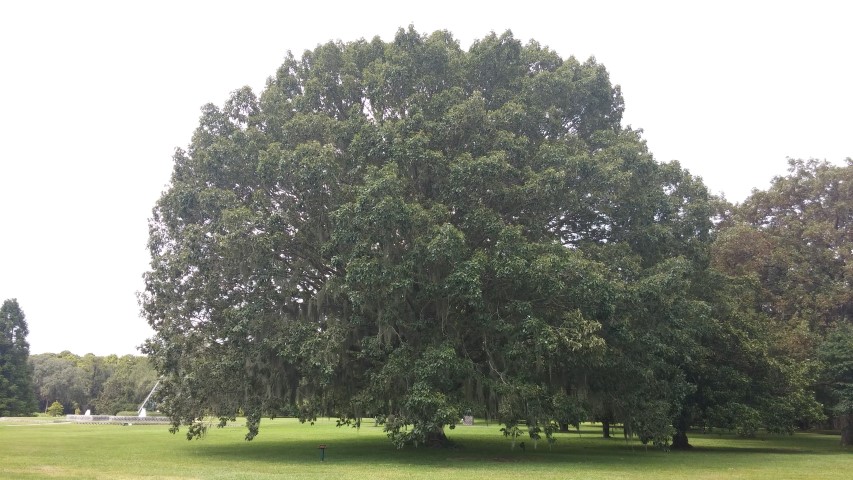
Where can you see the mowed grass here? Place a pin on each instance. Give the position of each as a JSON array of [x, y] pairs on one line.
[[287, 449]]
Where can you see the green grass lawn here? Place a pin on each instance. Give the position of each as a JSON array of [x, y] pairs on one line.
[[287, 449]]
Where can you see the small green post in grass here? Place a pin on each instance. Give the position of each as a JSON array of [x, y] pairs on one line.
[[322, 448]]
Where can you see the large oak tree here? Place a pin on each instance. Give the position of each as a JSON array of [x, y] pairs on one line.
[[408, 230]]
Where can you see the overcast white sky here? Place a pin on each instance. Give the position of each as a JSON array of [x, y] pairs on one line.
[[97, 94]]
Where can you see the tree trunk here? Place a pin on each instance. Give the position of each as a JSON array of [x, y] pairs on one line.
[[847, 431], [847, 435], [605, 428], [679, 440], [564, 427], [437, 439]]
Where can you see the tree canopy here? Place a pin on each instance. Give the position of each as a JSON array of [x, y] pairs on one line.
[[407, 230], [104, 385], [793, 244]]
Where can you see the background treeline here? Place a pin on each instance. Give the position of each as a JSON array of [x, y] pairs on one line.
[[790, 248], [104, 385]]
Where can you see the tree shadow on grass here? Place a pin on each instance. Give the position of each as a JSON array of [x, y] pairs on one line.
[[752, 450], [471, 452]]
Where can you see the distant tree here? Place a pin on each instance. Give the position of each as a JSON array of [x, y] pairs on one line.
[[58, 377], [101, 384], [16, 390], [836, 353], [55, 409], [742, 378], [127, 387], [796, 239], [96, 371], [794, 243]]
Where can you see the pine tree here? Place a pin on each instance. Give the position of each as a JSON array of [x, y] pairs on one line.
[[16, 391]]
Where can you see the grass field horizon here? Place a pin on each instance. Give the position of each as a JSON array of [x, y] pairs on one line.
[[40, 448]]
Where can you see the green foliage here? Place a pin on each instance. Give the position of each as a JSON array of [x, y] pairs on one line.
[[127, 387], [104, 385], [57, 377], [55, 409], [836, 354], [511, 430], [16, 391], [791, 249], [384, 231], [795, 239], [654, 424], [407, 230]]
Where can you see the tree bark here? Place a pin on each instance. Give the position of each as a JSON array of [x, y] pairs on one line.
[[847, 436], [605, 428], [437, 439], [679, 440]]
